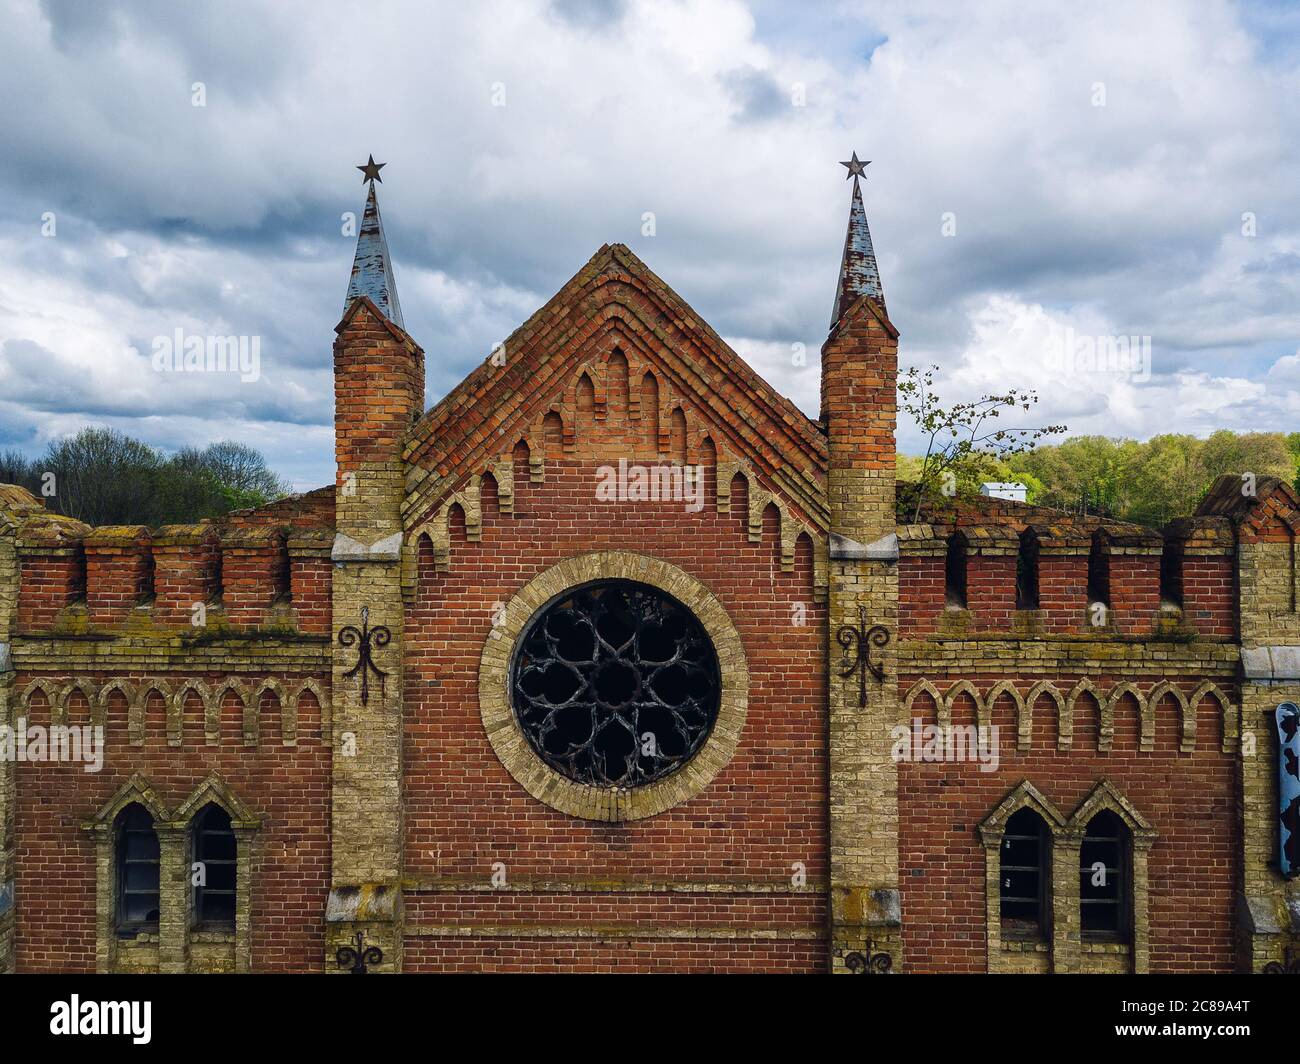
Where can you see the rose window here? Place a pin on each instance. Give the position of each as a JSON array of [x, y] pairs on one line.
[[615, 684]]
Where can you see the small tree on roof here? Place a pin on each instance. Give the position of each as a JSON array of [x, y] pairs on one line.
[[962, 440]]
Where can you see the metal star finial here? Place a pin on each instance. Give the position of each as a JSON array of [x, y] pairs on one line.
[[856, 168], [370, 172]]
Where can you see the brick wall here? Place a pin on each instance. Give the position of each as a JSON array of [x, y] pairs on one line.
[[287, 786], [247, 570], [1208, 595], [187, 570], [1187, 797], [119, 572], [765, 810]]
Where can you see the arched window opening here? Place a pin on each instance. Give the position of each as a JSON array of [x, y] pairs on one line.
[[136, 853], [955, 572], [218, 575], [215, 857], [1024, 875], [1171, 574], [145, 592], [1027, 571], [1104, 877], [1098, 571]]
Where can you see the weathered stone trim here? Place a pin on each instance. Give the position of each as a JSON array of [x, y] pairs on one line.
[[1064, 726], [282, 702], [1068, 952], [1065, 705], [1147, 725], [1187, 714], [1143, 836], [51, 692], [245, 824], [322, 700], [211, 714], [991, 829], [170, 950], [100, 827], [241, 693], [97, 696], [219, 654], [82, 685], [915, 691], [1084, 687], [961, 687], [1231, 713], [135, 721], [997, 691], [1084, 655], [598, 803]]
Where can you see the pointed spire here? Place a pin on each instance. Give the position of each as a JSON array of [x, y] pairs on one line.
[[372, 269], [859, 275]]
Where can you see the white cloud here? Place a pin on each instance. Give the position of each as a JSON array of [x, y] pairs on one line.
[[1123, 219]]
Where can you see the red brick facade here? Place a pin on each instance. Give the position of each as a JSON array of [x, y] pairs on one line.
[[217, 660]]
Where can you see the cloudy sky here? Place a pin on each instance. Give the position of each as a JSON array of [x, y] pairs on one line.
[[1048, 183]]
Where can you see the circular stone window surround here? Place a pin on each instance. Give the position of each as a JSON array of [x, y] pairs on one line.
[[611, 803]]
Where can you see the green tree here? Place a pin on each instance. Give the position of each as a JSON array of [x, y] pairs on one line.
[[962, 440], [1166, 479], [104, 477], [1085, 474]]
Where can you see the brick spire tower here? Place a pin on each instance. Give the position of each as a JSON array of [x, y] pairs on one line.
[[859, 374], [378, 395]]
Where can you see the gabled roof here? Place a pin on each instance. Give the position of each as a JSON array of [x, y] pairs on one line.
[[493, 406]]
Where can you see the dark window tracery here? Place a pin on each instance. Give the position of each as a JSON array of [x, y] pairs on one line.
[[1104, 877], [216, 849], [137, 856], [1025, 874], [615, 684]]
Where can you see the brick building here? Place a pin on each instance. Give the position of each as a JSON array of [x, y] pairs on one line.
[[615, 660]]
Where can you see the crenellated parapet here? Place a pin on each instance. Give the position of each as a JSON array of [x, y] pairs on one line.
[[207, 576], [1011, 570]]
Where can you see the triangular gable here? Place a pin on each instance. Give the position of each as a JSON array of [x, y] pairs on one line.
[[216, 791], [1104, 796], [483, 416], [1024, 796], [363, 303], [135, 790]]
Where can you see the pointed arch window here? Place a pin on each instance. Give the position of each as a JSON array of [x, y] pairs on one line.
[[955, 571], [137, 863], [215, 853], [1104, 879], [1024, 874]]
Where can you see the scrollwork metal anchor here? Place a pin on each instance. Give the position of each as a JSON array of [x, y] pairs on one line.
[[358, 957], [868, 963], [857, 643], [363, 638]]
